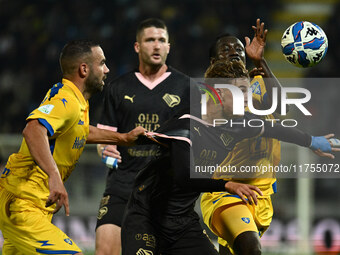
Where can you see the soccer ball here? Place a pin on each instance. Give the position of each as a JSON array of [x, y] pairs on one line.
[[304, 44]]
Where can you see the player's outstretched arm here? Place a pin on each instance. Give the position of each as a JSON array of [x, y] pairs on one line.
[[321, 145], [37, 141], [102, 136], [255, 51]]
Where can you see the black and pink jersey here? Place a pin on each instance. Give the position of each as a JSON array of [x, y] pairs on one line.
[[132, 101]]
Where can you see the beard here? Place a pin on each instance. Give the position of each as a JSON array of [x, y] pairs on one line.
[[94, 84]]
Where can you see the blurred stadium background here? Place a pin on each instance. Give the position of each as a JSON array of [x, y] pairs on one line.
[[32, 33]]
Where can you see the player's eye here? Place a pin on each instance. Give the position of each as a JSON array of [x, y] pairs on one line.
[[226, 49]]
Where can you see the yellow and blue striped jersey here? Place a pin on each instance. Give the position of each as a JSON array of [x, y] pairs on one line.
[[64, 112]]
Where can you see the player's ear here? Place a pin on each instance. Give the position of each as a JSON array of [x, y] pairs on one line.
[[137, 47], [168, 48], [212, 60], [83, 70]]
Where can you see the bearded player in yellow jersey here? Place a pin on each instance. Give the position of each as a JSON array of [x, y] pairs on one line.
[[238, 225], [31, 185]]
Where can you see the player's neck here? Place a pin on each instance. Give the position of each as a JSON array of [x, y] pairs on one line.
[[152, 73], [80, 84]]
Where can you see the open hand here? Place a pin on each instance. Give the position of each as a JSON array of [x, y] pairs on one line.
[[58, 194], [322, 146], [255, 48], [243, 191]]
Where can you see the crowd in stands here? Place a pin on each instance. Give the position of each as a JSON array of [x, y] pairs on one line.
[[32, 34]]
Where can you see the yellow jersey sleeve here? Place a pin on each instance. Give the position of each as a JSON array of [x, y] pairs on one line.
[[56, 114]]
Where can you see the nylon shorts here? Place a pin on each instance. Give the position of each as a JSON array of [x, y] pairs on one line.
[[28, 230], [241, 218], [111, 210], [184, 235]]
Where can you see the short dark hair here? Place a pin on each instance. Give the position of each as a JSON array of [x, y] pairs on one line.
[[151, 22], [213, 48], [72, 52]]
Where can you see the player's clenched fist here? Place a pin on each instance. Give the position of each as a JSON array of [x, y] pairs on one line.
[[132, 136]]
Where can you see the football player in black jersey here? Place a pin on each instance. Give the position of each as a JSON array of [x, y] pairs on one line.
[[160, 216], [145, 97]]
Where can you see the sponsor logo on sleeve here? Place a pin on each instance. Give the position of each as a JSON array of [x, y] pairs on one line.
[[46, 108]]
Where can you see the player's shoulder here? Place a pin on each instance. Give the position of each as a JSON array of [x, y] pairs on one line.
[[126, 76], [64, 94], [177, 74], [65, 100], [122, 79]]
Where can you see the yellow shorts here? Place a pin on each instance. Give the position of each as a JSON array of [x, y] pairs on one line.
[[228, 216], [28, 230]]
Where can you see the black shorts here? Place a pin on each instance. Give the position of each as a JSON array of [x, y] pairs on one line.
[[174, 235], [111, 210]]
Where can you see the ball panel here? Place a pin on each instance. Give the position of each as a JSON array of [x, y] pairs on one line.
[[304, 44]]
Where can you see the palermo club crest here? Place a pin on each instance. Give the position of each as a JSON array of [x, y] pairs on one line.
[[171, 100]]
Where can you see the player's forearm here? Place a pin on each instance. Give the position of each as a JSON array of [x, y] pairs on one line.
[[287, 134], [270, 82], [37, 141], [102, 136]]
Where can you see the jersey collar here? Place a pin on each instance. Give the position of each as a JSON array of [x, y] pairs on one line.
[[76, 91]]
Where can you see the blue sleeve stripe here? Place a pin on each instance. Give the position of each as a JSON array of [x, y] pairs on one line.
[[56, 252], [274, 186], [237, 196], [47, 126], [52, 145]]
